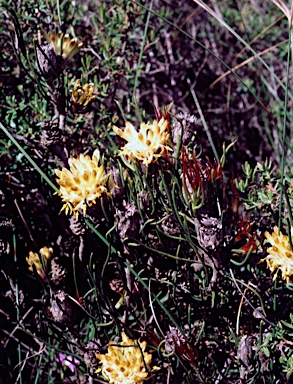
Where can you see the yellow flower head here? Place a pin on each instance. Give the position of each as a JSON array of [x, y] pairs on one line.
[[146, 145], [34, 259], [280, 255], [127, 363], [85, 182], [82, 95], [63, 44]]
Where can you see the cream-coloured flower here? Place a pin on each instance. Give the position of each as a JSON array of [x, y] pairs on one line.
[[148, 143], [63, 44], [85, 182], [126, 363], [82, 95], [280, 255], [46, 253], [34, 259]]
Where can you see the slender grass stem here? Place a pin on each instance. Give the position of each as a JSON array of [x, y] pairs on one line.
[[206, 128], [17, 310], [149, 10], [156, 299], [218, 58], [33, 163], [58, 12], [283, 139]]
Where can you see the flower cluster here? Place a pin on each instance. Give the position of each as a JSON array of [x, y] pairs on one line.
[[126, 363], [193, 176], [147, 144], [82, 95], [34, 259], [85, 182], [196, 175], [63, 44], [280, 255]]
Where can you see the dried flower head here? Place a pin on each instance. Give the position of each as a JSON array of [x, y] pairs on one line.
[[63, 44], [85, 182], [181, 127], [175, 341], [58, 272], [126, 363], [34, 259], [91, 349], [47, 61], [147, 144], [4, 247], [61, 307], [77, 225], [280, 255], [51, 134], [82, 95], [209, 231]]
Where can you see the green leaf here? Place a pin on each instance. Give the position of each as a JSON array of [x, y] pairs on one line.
[[266, 351]]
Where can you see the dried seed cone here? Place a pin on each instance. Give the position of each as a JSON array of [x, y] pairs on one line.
[[127, 363], [51, 135], [182, 126], [58, 273], [67, 242], [61, 307], [209, 232], [77, 225], [91, 349], [128, 221], [47, 61]]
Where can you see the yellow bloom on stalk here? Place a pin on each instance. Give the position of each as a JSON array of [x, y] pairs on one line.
[[126, 363], [280, 255], [148, 143], [34, 259], [85, 182], [63, 44], [82, 95]]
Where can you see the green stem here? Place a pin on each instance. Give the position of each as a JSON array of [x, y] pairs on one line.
[[206, 128], [58, 12], [155, 297], [105, 241], [37, 168], [149, 10], [17, 309], [217, 58], [284, 134], [239, 264]]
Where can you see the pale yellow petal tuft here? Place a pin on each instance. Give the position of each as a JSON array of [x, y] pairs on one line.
[[280, 255], [147, 144], [83, 184], [126, 362]]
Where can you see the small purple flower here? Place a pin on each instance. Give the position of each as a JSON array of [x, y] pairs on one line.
[[68, 361]]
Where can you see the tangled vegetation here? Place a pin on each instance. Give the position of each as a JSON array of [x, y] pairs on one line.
[[146, 192]]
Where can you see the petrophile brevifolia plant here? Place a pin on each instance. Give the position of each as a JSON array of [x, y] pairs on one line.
[[146, 192]]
